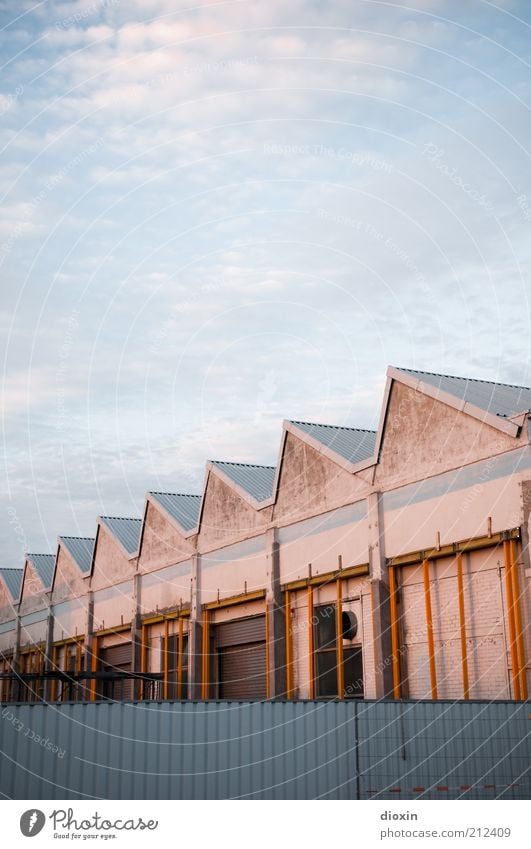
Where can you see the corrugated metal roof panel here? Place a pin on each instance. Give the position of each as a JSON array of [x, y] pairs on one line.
[[183, 508], [44, 565], [81, 549], [256, 480], [13, 580], [351, 443], [126, 531], [500, 399]]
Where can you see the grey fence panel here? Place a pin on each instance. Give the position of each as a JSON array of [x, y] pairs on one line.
[[264, 750]]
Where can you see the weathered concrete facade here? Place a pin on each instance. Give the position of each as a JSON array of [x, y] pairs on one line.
[[363, 565]]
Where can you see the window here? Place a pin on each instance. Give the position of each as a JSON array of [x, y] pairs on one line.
[[177, 684], [326, 654]]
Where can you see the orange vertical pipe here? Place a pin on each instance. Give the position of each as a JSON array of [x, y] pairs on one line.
[[166, 670], [206, 665], [394, 633], [289, 647], [520, 649], [180, 660], [511, 619], [339, 642], [143, 659], [311, 642], [267, 649], [429, 628], [462, 625]]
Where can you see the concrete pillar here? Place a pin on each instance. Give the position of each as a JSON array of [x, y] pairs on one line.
[[89, 639], [276, 621], [48, 657], [136, 635], [17, 690], [379, 583], [195, 632]]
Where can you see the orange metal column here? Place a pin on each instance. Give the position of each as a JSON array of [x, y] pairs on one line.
[[289, 646], [394, 633], [143, 659], [180, 659], [267, 649], [339, 642], [511, 620], [311, 642], [462, 624], [166, 658], [206, 664], [520, 649], [429, 628]]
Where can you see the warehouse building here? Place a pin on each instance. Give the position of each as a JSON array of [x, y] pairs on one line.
[[364, 564]]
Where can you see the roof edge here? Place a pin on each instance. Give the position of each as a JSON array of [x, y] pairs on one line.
[[417, 384]]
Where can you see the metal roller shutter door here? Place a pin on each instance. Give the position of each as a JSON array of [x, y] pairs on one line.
[[117, 659], [242, 672], [242, 658], [238, 631]]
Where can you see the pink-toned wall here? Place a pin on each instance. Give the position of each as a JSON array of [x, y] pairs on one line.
[[162, 543]]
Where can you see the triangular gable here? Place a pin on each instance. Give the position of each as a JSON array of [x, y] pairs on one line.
[[252, 482], [180, 508], [44, 564], [68, 578], [312, 478], [425, 430], [81, 550], [126, 532], [12, 581], [228, 508], [493, 404], [111, 561], [32, 583], [169, 524], [351, 448]]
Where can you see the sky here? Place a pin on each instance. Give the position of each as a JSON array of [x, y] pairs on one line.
[[217, 216]]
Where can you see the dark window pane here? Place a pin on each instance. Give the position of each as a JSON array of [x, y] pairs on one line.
[[326, 679], [325, 626], [353, 665]]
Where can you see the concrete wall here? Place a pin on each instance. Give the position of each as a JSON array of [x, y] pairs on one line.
[[162, 543], [310, 483], [226, 516], [111, 564], [68, 581]]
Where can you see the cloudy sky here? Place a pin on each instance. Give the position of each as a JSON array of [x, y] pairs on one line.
[[215, 216]]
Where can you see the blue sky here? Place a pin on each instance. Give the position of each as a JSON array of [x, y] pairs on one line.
[[218, 216]]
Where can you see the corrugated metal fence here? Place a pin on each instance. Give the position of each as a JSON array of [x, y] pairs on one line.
[[264, 750]]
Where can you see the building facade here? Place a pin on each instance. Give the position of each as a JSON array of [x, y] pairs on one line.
[[364, 564]]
